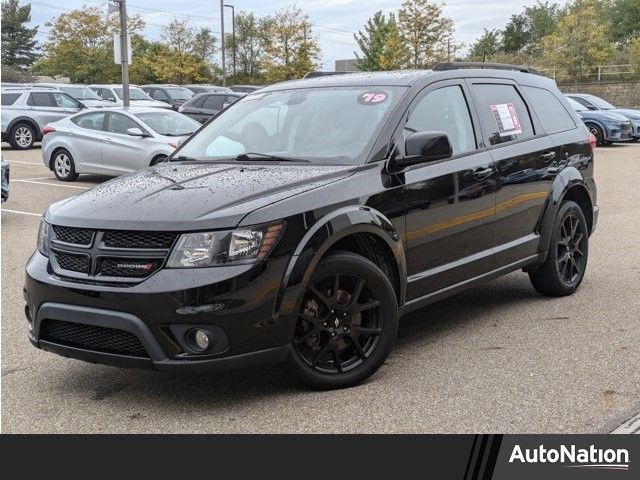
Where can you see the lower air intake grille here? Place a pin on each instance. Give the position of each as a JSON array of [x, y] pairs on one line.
[[90, 337]]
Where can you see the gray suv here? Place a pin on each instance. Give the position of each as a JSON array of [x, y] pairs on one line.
[[25, 111]]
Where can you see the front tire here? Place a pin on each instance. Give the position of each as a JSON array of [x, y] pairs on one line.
[[347, 323], [22, 136], [562, 272], [64, 166], [598, 133]]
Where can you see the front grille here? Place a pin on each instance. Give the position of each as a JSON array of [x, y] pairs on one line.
[[91, 337], [126, 267], [72, 262], [76, 236], [138, 239]]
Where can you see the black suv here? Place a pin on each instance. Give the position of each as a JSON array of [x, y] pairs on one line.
[[303, 221]]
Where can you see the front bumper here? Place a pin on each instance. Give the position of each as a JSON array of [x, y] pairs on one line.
[[236, 305]]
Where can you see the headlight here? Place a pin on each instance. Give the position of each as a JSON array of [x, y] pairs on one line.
[[43, 238], [206, 249]]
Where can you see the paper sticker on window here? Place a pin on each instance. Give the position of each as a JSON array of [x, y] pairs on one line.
[[372, 98], [507, 119]]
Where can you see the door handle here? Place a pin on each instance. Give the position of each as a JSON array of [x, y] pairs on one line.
[[547, 157], [482, 173]]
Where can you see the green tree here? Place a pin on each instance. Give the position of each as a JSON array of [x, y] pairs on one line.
[[372, 40], [249, 48], [524, 31], [426, 32], [394, 54], [624, 16], [80, 45], [18, 42], [634, 53], [580, 41], [290, 49], [486, 46]]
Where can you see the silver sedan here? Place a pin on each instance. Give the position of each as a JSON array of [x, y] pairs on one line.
[[113, 142]]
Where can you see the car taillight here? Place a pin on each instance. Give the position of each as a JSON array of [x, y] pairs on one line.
[[48, 129], [181, 108], [593, 142]]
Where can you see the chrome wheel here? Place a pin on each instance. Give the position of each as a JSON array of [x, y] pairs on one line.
[[62, 165], [23, 137]]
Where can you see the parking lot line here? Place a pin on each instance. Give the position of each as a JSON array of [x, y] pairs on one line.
[[26, 163], [22, 213], [52, 184]]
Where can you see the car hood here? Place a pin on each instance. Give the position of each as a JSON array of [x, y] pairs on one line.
[[189, 196], [603, 116], [149, 103], [628, 112], [96, 103]]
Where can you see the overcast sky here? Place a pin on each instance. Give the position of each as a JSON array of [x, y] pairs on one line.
[[334, 21]]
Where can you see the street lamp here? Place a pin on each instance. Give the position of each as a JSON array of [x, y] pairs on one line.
[[233, 34]]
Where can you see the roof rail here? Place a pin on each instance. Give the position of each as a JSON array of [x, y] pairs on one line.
[[497, 66], [315, 74]]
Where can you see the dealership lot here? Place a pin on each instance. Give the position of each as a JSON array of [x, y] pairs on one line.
[[499, 357]]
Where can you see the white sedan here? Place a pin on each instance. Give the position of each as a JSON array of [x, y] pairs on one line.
[[114, 141]]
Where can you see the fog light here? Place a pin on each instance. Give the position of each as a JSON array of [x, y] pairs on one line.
[[198, 339]]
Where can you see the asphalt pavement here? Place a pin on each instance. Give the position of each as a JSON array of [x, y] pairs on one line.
[[496, 358]]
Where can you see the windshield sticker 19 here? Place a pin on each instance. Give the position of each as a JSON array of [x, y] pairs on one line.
[[372, 98], [507, 119]]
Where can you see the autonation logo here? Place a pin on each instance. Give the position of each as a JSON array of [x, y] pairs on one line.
[[573, 457]]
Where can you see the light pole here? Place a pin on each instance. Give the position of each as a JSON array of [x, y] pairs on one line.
[[224, 67], [233, 35], [124, 51]]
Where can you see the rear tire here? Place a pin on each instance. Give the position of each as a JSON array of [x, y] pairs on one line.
[[64, 166], [347, 323], [562, 272], [22, 136]]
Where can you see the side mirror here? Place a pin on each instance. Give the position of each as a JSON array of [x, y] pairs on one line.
[[591, 107], [424, 147], [136, 132]]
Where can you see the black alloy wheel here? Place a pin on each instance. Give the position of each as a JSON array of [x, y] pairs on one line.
[[346, 323], [564, 268]]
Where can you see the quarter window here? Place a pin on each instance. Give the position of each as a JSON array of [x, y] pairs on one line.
[[40, 99], [444, 110], [90, 121], [552, 114], [503, 113], [10, 98]]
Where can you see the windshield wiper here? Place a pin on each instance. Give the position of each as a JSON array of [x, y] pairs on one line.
[[243, 157], [183, 158]]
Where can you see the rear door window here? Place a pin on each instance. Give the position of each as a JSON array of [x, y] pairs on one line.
[[40, 99], [552, 114], [90, 121], [107, 94], [503, 113], [198, 102], [10, 98]]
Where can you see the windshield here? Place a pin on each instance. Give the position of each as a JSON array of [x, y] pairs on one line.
[[320, 125], [179, 93], [81, 93], [578, 107], [134, 94], [600, 103], [170, 123]]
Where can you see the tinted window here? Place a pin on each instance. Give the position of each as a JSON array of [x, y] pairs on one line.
[[444, 110], [10, 98], [197, 102], [582, 101], [107, 94], [550, 110], [91, 121], [503, 113], [214, 102], [65, 101], [38, 99], [120, 123], [158, 94]]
